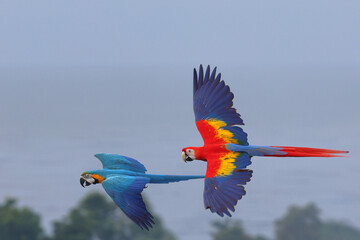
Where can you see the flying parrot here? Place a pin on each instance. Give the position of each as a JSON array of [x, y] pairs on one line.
[[226, 149], [123, 179]]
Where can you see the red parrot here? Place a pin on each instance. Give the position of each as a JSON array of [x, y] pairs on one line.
[[226, 149]]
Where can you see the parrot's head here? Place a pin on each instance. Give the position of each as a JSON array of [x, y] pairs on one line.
[[188, 154], [88, 178]]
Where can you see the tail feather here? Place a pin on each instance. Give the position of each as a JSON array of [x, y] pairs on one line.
[[285, 151], [171, 178], [307, 152]]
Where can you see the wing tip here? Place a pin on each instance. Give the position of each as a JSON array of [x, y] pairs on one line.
[[222, 193], [200, 79]]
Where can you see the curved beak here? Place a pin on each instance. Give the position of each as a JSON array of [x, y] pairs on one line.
[[186, 157], [84, 182]]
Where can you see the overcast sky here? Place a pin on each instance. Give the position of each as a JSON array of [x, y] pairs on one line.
[[186, 32]]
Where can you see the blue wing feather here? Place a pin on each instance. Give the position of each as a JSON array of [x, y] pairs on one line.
[[213, 74], [214, 100], [222, 193], [207, 75], [242, 161], [201, 76], [195, 87], [126, 193], [213, 97], [114, 161]]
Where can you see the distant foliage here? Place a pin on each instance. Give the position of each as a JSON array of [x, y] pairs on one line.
[[96, 217], [332, 230], [299, 223], [230, 230], [18, 223]]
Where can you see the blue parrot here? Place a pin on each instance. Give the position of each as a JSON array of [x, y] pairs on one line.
[[123, 179]]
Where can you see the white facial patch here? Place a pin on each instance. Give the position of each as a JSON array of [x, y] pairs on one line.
[[88, 178], [190, 153]]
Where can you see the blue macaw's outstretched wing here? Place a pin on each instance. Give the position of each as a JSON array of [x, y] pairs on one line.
[[114, 161], [213, 108], [126, 193]]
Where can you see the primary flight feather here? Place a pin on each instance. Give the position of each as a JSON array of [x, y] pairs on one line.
[[226, 149], [123, 179]]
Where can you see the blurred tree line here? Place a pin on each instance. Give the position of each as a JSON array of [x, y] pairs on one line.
[[97, 218], [94, 218], [298, 223]]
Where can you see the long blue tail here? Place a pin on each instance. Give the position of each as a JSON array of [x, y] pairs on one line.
[[170, 178]]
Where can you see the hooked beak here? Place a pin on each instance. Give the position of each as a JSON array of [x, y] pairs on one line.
[[87, 182], [186, 157]]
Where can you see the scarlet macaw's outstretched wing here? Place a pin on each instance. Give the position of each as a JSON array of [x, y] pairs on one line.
[[224, 181], [215, 119], [214, 114]]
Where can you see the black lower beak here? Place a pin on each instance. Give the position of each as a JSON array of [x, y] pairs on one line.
[[188, 159], [83, 181]]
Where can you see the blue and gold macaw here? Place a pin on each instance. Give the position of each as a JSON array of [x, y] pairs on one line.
[[123, 179]]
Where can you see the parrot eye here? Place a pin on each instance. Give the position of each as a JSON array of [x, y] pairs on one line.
[[87, 175]]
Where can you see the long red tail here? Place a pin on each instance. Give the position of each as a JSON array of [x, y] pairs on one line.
[[308, 152]]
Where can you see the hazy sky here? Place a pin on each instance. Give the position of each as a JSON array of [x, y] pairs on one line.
[[82, 77], [179, 32]]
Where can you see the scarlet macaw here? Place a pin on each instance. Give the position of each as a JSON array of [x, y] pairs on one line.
[[226, 149], [123, 179]]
